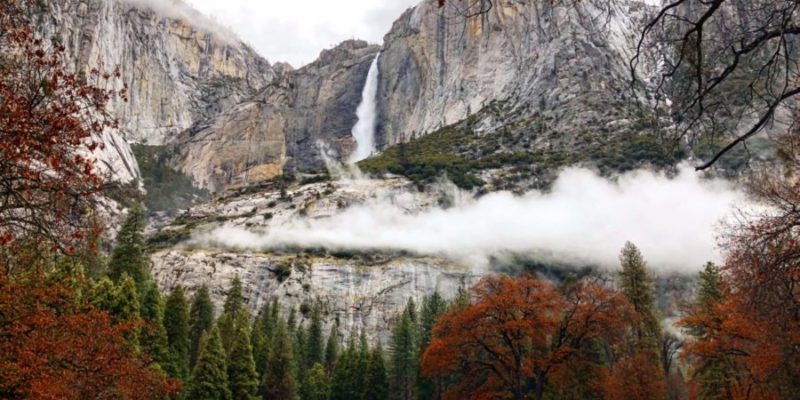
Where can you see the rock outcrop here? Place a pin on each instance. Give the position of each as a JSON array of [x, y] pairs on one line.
[[280, 129], [566, 62], [177, 74], [359, 289]]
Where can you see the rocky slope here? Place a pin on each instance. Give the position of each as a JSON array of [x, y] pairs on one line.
[[360, 290]]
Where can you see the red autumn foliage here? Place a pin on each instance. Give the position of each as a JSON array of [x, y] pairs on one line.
[[54, 346], [520, 336], [50, 122], [753, 331]]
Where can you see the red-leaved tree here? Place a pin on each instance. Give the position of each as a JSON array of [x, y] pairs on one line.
[[50, 122], [521, 337]]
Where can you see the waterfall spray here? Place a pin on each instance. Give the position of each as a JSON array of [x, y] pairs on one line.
[[364, 130]]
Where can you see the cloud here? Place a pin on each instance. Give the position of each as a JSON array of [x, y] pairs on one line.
[[583, 219], [179, 10], [296, 31]]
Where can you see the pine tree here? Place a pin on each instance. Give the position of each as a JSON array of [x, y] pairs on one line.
[[344, 382], [332, 348], [201, 320], [210, 376], [154, 336], [315, 353], [710, 291], [176, 323], [404, 361], [279, 382], [432, 307], [104, 295], [300, 347], [129, 257], [316, 385], [242, 376], [262, 336], [121, 301], [376, 379], [710, 375], [126, 308], [234, 301], [637, 285]]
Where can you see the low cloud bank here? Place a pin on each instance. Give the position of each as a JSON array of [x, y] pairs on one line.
[[584, 219], [179, 10]]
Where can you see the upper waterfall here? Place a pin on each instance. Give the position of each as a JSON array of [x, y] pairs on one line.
[[364, 130]]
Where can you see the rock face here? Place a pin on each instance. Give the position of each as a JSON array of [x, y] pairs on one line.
[[359, 296], [279, 129], [565, 61], [177, 74], [360, 290]]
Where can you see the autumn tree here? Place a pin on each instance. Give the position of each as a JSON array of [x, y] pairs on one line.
[[52, 341], [747, 317], [51, 121], [519, 334]]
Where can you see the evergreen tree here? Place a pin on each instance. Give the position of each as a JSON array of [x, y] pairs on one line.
[[316, 350], [127, 308], [176, 323], [154, 336], [316, 385], [376, 379], [279, 382], [262, 336], [104, 295], [121, 302], [432, 307], [291, 322], [332, 348], [637, 285], [710, 291], [234, 301], [710, 374], [242, 376], [404, 356], [201, 320], [345, 380], [210, 376], [130, 257], [300, 347]]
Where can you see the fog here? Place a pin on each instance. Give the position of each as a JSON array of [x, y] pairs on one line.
[[179, 10], [584, 219]]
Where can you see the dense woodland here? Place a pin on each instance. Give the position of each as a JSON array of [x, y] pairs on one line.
[[78, 324]]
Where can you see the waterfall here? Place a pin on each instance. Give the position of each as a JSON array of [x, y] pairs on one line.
[[364, 130]]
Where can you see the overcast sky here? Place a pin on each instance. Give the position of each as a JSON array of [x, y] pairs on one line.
[[296, 31]]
